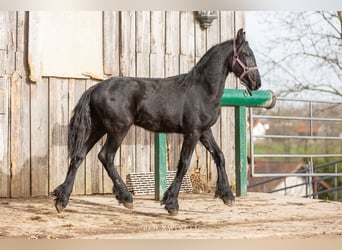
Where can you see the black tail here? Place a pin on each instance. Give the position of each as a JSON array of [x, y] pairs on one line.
[[80, 125]]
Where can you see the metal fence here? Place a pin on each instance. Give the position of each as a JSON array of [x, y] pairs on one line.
[[313, 116]]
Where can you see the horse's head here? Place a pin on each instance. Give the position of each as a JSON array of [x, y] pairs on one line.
[[243, 63]]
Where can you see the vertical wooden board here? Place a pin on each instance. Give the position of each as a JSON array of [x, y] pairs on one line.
[[40, 129], [127, 164], [200, 41], [76, 89], [127, 43], [171, 65], [3, 55], [11, 41], [3, 42], [127, 68], [213, 38], [157, 32], [143, 34], [239, 20], [3, 30], [143, 150], [20, 137], [157, 44], [157, 65], [227, 123], [228, 143], [5, 172], [172, 43], [213, 34], [111, 42], [187, 33], [94, 170], [58, 131], [227, 25], [185, 63], [22, 38], [172, 33], [7, 42], [143, 137]]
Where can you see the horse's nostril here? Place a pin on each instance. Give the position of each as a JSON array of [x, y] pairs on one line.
[[258, 84]]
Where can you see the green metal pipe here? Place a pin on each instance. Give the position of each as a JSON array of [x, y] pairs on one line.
[[239, 97]]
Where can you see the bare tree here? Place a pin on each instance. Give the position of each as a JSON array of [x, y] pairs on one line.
[[307, 53]]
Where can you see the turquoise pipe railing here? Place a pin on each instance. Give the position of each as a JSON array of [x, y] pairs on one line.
[[239, 99]]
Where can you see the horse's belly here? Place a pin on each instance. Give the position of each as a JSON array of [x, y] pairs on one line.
[[160, 123]]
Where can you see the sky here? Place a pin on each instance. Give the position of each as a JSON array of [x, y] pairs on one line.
[[258, 32], [261, 28]]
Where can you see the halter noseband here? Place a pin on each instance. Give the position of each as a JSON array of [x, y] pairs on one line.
[[236, 59]]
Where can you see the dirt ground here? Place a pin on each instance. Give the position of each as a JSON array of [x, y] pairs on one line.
[[257, 215]]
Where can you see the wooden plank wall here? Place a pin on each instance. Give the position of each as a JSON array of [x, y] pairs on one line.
[[34, 116]]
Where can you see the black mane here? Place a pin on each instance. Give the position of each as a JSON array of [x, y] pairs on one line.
[[218, 52]]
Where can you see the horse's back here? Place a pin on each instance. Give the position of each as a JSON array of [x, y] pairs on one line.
[[152, 103], [156, 104]]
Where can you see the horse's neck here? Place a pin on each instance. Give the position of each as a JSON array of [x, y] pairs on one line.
[[214, 71]]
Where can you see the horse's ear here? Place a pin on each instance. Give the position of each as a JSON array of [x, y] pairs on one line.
[[240, 37]]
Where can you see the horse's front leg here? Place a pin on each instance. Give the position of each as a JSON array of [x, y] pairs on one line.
[[222, 186], [170, 199]]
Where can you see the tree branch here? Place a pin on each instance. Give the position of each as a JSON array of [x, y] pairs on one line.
[[339, 14], [306, 42], [329, 22]]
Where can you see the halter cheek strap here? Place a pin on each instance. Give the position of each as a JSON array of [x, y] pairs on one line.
[[236, 59]]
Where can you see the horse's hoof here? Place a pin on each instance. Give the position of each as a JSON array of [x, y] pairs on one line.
[[172, 211], [128, 205], [228, 202], [59, 206]]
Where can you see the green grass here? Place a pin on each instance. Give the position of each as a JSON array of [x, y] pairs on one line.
[[293, 146]]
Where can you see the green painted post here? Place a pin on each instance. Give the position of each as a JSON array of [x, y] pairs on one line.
[[239, 99], [240, 151], [160, 165]]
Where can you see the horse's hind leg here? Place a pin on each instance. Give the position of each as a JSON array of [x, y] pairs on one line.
[[63, 191], [222, 186], [106, 156]]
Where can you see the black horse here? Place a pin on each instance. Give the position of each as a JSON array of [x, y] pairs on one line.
[[188, 104]]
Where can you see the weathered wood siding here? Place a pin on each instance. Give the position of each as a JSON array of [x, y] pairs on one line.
[[34, 116]]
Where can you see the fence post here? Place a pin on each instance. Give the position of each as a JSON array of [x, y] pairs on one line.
[[160, 165], [240, 151]]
